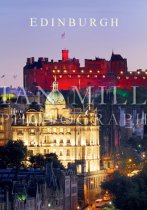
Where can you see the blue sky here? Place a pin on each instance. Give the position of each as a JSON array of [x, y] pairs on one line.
[[18, 41]]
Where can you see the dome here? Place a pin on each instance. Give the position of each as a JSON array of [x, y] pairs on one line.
[[55, 96]]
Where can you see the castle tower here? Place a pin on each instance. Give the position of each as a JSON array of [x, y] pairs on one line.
[[64, 55]]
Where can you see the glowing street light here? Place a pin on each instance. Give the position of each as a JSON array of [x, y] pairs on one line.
[[110, 203], [49, 205]]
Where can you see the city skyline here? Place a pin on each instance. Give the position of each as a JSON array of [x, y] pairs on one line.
[[19, 41]]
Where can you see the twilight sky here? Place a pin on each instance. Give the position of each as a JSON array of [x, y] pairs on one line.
[[19, 41]]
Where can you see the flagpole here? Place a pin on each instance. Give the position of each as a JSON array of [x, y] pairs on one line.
[[3, 79], [14, 77], [63, 36]]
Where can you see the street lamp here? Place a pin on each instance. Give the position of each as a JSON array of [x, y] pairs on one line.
[[49, 205], [110, 203]]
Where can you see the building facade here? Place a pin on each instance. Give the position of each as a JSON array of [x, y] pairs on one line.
[[71, 133], [5, 124]]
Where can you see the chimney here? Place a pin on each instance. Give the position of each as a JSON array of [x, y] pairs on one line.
[[28, 60], [33, 59], [46, 60], [64, 55]]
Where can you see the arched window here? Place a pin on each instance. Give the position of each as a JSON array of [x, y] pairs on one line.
[[61, 141]]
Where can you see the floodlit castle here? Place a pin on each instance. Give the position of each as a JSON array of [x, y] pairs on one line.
[[71, 133], [69, 72]]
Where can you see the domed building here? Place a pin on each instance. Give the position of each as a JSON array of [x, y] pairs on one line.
[[55, 96], [55, 105], [71, 133]]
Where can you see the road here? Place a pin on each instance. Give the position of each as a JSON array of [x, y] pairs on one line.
[[91, 207]]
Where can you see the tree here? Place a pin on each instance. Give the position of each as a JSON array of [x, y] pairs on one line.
[[128, 193], [37, 161], [53, 157], [12, 154]]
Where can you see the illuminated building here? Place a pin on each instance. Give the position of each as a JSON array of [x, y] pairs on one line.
[[71, 133], [5, 124], [97, 72]]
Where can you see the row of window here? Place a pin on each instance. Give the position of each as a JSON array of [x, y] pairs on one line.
[[135, 77], [66, 153], [98, 76], [47, 140], [49, 130]]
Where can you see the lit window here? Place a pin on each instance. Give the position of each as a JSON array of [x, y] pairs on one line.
[[61, 153], [98, 71], [61, 141], [68, 152], [61, 130], [58, 70], [1, 128], [104, 76], [53, 71], [121, 72], [54, 130], [95, 76], [127, 77], [135, 77], [60, 76], [90, 71], [118, 77], [82, 71], [68, 130], [74, 70], [79, 169], [65, 71], [88, 75], [49, 130], [143, 77], [78, 75], [68, 141]]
